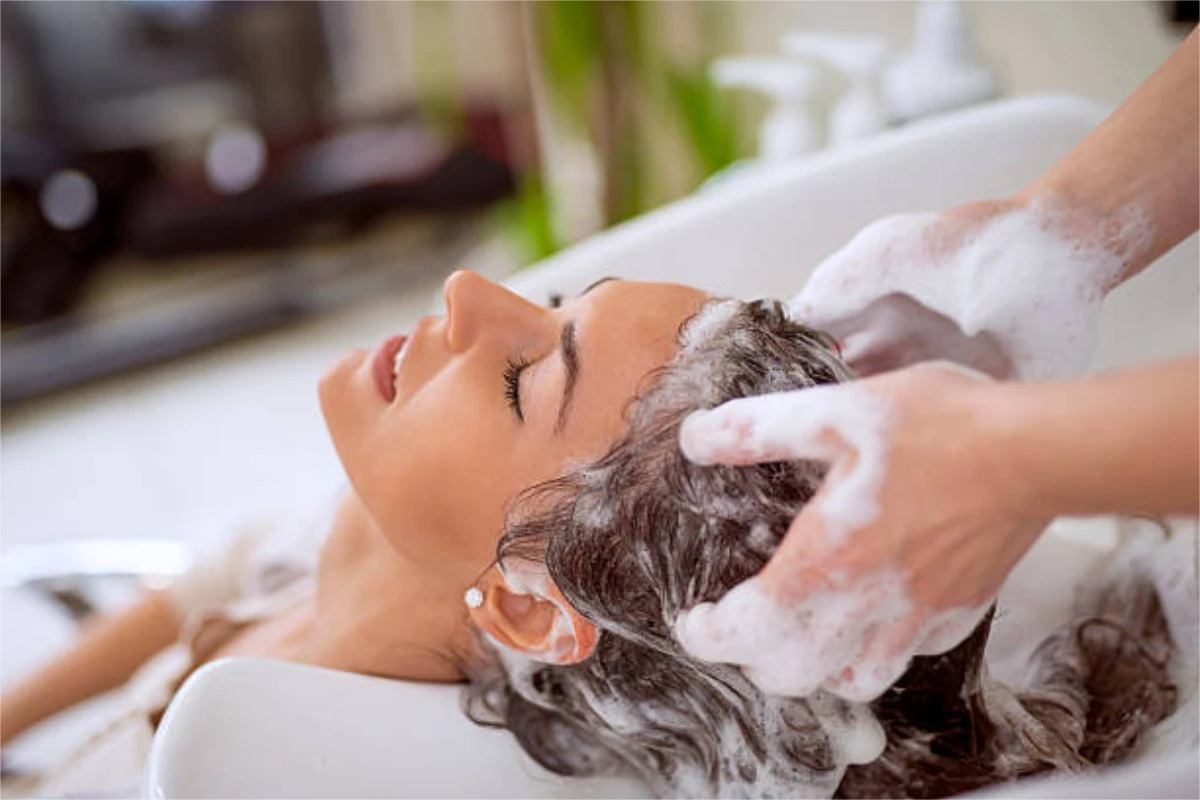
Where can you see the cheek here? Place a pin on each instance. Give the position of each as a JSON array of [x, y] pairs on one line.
[[435, 476]]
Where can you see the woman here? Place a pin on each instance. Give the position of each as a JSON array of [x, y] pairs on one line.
[[436, 432], [440, 433]]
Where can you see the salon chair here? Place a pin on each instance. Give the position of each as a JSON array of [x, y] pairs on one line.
[[236, 728]]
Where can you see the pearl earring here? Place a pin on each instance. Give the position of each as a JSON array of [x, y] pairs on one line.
[[473, 597]]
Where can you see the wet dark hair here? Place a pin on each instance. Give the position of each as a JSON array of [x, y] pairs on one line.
[[641, 534]]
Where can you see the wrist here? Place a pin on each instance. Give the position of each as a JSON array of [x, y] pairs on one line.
[[1057, 190], [1014, 450], [1109, 223]]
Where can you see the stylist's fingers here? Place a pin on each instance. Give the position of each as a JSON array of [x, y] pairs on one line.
[[869, 679], [724, 631], [811, 424], [884, 657], [745, 626], [898, 552], [869, 266], [774, 427], [844, 424], [890, 648], [791, 628], [896, 331]]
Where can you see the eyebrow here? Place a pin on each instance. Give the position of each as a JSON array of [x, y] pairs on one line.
[[600, 282], [570, 356], [569, 349], [555, 300]]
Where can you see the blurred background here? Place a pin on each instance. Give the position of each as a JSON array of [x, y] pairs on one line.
[[204, 203]]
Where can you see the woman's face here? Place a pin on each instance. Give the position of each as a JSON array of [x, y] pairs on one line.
[[498, 395]]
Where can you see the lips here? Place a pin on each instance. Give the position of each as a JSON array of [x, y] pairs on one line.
[[385, 365]]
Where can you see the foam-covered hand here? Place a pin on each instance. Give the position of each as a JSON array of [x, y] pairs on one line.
[[900, 553], [1009, 288]]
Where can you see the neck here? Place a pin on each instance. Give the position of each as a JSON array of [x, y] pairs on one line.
[[377, 613]]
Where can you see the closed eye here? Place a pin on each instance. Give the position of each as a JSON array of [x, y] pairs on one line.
[[512, 385], [569, 351]]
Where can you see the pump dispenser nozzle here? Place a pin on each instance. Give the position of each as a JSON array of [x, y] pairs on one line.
[[943, 70], [788, 131], [860, 112]]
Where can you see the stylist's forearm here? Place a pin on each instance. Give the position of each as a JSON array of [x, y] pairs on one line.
[[1144, 157], [1122, 443]]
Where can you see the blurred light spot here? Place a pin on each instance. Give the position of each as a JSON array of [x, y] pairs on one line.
[[68, 199], [236, 159], [179, 13]]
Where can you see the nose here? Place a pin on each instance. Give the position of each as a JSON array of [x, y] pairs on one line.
[[476, 307]]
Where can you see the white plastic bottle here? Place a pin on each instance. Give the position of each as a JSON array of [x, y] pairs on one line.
[[788, 130], [942, 71], [861, 111]]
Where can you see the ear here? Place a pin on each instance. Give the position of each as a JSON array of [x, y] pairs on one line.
[[524, 611]]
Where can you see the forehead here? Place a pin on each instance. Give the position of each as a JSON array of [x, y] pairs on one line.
[[664, 304], [640, 320], [625, 331]]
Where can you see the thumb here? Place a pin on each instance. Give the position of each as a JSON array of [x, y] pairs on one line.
[[828, 298], [842, 285], [869, 266]]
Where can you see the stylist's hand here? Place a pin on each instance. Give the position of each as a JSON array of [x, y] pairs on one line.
[[917, 524], [1010, 288]]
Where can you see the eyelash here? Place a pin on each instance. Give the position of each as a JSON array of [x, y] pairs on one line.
[[514, 368], [512, 385]]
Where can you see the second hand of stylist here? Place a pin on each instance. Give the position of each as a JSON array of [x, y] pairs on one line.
[[939, 478]]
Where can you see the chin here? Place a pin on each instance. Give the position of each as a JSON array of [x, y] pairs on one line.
[[335, 390], [339, 374]]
